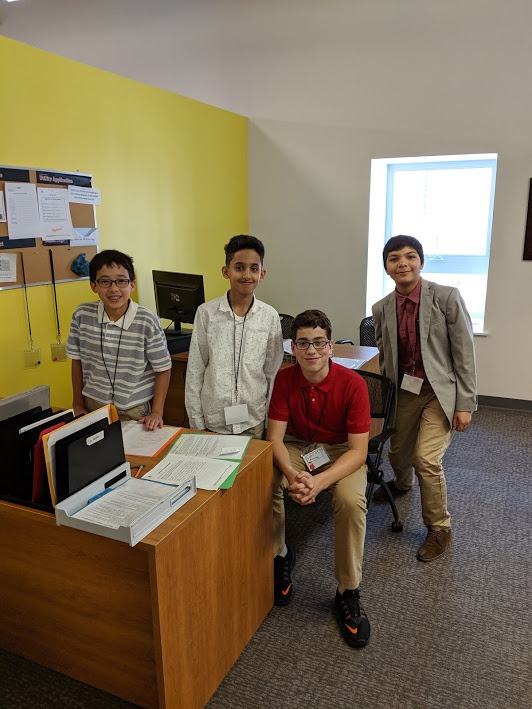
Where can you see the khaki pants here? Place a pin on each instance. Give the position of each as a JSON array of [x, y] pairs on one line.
[[423, 435], [133, 414], [349, 504]]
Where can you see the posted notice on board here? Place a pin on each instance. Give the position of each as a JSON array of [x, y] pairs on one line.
[[84, 195]]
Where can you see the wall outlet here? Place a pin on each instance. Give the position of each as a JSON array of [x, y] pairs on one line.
[[59, 352], [32, 358]]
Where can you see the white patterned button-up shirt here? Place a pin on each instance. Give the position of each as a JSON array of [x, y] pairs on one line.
[[223, 345]]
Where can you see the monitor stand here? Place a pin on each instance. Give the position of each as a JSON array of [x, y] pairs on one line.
[[178, 340]]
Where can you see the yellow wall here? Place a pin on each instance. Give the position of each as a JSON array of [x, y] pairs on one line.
[[173, 176]]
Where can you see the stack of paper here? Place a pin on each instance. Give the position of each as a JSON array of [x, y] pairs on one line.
[[139, 441], [213, 459]]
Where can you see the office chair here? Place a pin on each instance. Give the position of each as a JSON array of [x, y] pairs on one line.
[[286, 325], [367, 332], [381, 396], [344, 342]]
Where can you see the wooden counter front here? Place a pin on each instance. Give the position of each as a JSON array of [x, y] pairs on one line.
[[159, 624]]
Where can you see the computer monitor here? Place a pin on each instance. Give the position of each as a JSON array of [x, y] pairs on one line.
[[177, 296]]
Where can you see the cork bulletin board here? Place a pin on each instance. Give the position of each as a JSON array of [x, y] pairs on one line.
[[36, 253]]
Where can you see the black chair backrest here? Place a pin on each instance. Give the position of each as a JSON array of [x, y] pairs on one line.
[[286, 325], [381, 392], [367, 332]]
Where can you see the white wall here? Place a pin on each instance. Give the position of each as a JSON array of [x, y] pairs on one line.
[[438, 84]]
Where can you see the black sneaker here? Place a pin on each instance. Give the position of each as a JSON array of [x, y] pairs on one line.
[[352, 618], [282, 581]]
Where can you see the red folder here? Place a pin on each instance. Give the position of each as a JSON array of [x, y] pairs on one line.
[[40, 478]]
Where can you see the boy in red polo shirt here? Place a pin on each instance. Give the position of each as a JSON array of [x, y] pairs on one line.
[[319, 421]]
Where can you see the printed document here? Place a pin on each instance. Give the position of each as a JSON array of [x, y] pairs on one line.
[[22, 210], [215, 446], [124, 505], [348, 362], [8, 267], [139, 441], [177, 469], [56, 222]]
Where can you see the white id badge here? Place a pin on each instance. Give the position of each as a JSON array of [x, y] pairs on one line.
[[315, 458], [236, 414], [411, 384]]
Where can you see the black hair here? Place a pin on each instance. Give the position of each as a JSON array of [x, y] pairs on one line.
[[311, 318], [111, 257], [243, 241], [396, 243]]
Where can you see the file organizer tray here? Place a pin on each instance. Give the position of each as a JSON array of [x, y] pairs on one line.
[[121, 476]]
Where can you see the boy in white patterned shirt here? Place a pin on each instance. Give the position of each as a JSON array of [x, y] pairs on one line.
[[235, 350]]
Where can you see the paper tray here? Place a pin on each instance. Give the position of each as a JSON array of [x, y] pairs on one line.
[[132, 534]]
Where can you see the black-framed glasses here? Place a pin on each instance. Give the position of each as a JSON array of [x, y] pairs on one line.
[[107, 282], [317, 344]]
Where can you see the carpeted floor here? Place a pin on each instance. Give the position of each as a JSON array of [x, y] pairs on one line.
[[453, 634]]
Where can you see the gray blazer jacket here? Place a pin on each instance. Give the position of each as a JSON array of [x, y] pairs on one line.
[[446, 339]]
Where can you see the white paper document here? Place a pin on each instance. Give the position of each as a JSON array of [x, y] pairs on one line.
[[86, 236], [2, 207], [215, 446], [123, 505], [8, 268], [84, 195], [139, 441], [348, 362], [22, 210], [210, 473], [56, 222]]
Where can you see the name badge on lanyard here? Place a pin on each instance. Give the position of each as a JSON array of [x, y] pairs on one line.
[[238, 413], [411, 384], [315, 456]]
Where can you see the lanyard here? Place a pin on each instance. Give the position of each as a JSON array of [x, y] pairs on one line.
[[113, 380], [307, 409], [236, 363]]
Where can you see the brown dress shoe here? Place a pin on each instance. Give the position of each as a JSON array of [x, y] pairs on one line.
[[380, 496], [436, 543]]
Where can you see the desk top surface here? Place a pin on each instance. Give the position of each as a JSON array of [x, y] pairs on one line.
[[254, 451], [349, 351]]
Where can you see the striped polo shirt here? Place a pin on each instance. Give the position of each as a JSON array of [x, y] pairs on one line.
[[94, 340]]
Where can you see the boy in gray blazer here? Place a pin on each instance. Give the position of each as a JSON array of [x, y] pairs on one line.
[[425, 340]]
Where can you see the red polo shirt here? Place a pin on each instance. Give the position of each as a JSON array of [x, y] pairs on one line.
[[324, 412]]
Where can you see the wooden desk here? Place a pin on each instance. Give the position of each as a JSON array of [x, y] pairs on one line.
[[174, 409], [159, 624]]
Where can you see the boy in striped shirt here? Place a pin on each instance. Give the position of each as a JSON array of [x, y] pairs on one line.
[[118, 348]]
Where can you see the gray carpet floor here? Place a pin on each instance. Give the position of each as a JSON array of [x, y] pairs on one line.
[[452, 634]]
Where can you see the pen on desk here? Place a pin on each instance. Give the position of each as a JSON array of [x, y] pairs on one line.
[[139, 470]]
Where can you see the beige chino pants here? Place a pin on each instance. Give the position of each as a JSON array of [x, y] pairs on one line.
[[349, 505], [423, 435]]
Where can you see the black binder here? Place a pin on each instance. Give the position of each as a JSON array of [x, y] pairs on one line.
[[86, 455]]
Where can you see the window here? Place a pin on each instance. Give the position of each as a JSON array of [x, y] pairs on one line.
[[447, 203]]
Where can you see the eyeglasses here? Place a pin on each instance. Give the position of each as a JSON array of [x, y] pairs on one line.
[[317, 344], [107, 282]]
